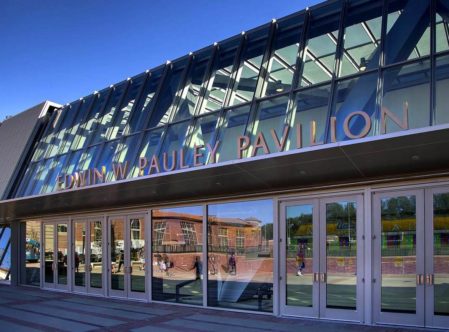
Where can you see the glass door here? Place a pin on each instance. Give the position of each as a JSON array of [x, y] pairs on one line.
[[398, 246], [321, 255], [299, 251], [341, 258], [56, 255], [127, 256], [437, 258], [87, 264]]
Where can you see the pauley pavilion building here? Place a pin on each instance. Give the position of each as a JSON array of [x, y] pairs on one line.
[[297, 169]]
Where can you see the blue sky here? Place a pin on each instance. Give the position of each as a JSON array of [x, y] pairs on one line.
[[62, 50]]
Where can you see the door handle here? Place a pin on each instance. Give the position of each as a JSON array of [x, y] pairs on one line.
[[316, 277], [430, 279], [419, 279], [323, 278]]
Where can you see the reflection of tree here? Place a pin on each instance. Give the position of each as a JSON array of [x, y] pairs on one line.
[[267, 232]]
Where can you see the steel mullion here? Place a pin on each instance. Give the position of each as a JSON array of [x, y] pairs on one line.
[[206, 79], [291, 107], [235, 69], [137, 102], [154, 102], [183, 82], [433, 84], [338, 54]]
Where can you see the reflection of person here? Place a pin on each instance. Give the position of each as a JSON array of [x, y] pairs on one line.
[[121, 260], [232, 264], [300, 259], [198, 266], [77, 262]]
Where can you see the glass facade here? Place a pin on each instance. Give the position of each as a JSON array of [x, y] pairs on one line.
[[340, 71], [5, 252]]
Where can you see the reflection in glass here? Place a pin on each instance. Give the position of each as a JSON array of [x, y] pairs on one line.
[[177, 239], [202, 134], [442, 27], [49, 238], [442, 86], [341, 255], [5, 251], [149, 145], [62, 253], [398, 251], [137, 253], [319, 52], [234, 125], [407, 87], [69, 115], [139, 115], [79, 257], [310, 117], [240, 255], [117, 250], [271, 114], [32, 252], [171, 86], [354, 95], [282, 64], [96, 254], [408, 30], [441, 253], [126, 105], [248, 71], [219, 80], [361, 40], [175, 138], [125, 153], [191, 92], [46, 137], [299, 255]]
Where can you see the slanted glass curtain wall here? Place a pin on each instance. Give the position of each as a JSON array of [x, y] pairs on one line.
[[333, 60], [5, 251]]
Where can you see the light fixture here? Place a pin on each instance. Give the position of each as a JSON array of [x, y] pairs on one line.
[[362, 64], [279, 87]]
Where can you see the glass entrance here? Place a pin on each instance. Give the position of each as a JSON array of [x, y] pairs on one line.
[[56, 254], [320, 258], [127, 256], [87, 260], [411, 257]]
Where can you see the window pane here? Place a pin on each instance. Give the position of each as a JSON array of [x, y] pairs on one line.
[[99, 132], [80, 115], [161, 113], [88, 157], [79, 257], [85, 130], [354, 95], [140, 113], [202, 134], [189, 100], [175, 138], [282, 64], [105, 160], [442, 87], [39, 178], [33, 253], [55, 170], [219, 81], [319, 53], [177, 243], [408, 31], [46, 137], [361, 40], [126, 152], [310, 117], [271, 114], [148, 148], [234, 126], [72, 163], [126, 106], [64, 129], [5, 252], [248, 71], [407, 87], [442, 27], [240, 255]]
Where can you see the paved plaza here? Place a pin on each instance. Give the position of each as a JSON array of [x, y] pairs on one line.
[[29, 309]]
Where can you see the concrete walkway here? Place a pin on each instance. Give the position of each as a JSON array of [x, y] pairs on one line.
[[29, 309]]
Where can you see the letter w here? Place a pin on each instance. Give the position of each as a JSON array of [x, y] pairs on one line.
[[120, 170]]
